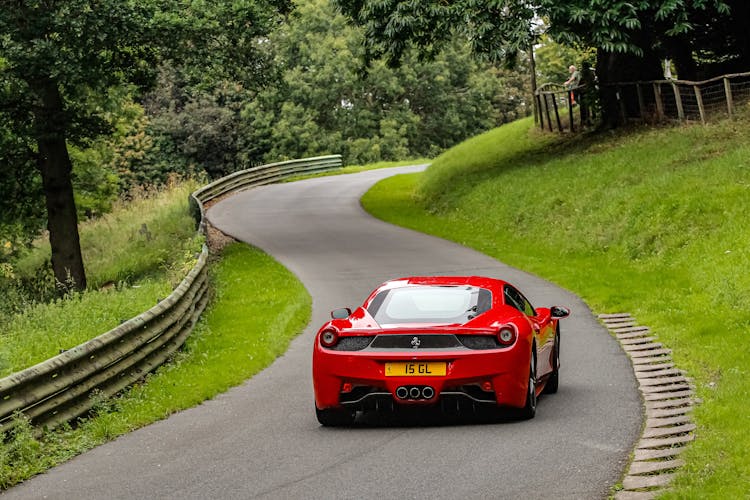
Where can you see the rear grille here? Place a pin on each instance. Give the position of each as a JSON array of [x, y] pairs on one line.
[[444, 341], [430, 341], [352, 343], [480, 341]]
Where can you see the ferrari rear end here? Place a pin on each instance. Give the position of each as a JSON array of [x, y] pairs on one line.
[[450, 367]]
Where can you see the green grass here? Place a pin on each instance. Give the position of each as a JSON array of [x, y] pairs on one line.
[[140, 252], [648, 221], [44, 330], [259, 308], [142, 236]]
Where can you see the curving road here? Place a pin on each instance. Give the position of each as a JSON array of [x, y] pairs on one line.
[[261, 440]]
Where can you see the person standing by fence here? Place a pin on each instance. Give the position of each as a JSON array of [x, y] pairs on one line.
[[571, 84], [587, 85]]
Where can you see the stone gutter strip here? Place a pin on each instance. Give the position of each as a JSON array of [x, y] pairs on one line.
[[668, 401]]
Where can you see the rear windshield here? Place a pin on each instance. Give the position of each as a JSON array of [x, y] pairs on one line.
[[429, 304]]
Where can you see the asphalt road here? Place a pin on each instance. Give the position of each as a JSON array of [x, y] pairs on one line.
[[261, 440]]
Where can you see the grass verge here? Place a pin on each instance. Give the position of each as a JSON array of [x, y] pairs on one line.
[[134, 257], [143, 235], [246, 331], [649, 221]]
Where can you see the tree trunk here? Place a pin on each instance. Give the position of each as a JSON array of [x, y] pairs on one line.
[[532, 70], [605, 63], [622, 67], [56, 168]]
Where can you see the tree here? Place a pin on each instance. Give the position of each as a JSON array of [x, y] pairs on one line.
[[631, 38], [61, 56], [325, 103], [553, 59], [629, 35]]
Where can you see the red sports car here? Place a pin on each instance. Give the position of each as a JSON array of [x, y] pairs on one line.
[[457, 342]]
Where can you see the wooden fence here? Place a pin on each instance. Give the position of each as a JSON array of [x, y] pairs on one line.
[[660, 100], [645, 101], [70, 384], [559, 110]]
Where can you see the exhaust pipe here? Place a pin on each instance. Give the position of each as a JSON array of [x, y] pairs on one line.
[[402, 392], [415, 392]]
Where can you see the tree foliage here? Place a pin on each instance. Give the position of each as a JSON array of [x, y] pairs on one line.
[[322, 102], [630, 36], [326, 103], [496, 29], [60, 58]]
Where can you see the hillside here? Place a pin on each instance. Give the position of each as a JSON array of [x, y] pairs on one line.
[[650, 221]]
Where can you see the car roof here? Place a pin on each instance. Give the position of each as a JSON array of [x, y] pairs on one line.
[[477, 281]]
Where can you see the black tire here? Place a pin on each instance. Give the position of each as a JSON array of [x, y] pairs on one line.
[[529, 410], [335, 417], [554, 379]]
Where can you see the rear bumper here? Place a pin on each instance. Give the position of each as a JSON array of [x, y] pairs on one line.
[[357, 380]]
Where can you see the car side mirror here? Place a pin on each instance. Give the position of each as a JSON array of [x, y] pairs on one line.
[[559, 312], [342, 313]]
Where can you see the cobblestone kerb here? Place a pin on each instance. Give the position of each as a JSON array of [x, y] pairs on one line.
[[668, 400]]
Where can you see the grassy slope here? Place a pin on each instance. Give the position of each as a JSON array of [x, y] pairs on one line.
[[652, 222], [142, 250], [145, 235], [242, 329]]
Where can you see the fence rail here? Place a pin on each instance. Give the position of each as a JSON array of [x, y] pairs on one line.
[[564, 108], [682, 100], [645, 101], [70, 384]]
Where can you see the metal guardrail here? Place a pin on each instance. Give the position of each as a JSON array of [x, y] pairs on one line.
[[258, 176], [70, 384]]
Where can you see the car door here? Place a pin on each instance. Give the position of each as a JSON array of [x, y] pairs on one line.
[[543, 331]]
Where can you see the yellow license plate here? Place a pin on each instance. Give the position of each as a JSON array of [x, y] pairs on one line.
[[415, 369]]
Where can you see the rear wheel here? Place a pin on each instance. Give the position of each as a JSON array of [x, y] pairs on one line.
[[529, 410], [554, 379], [335, 417]]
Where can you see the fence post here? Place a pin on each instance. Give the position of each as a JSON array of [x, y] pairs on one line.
[[546, 111], [557, 114], [699, 98], [728, 93], [659, 101], [678, 101], [623, 112], [641, 105], [538, 98], [569, 94]]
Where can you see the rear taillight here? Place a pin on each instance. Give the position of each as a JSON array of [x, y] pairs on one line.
[[329, 338], [506, 335]]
